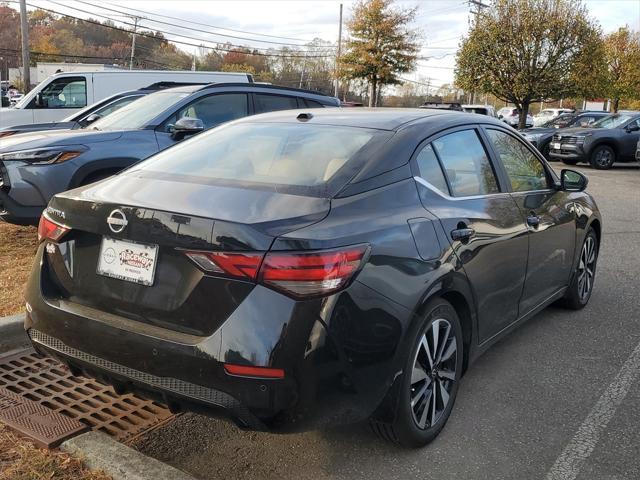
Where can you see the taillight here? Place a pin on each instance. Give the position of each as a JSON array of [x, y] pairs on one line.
[[238, 265], [311, 274], [50, 230], [298, 274]]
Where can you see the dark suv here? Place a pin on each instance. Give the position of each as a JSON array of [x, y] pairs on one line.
[[612, 139], [541, 136], [35, 166]]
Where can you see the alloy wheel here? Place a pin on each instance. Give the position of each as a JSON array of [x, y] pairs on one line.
[[603, 157], [586, 268], [433, 374]]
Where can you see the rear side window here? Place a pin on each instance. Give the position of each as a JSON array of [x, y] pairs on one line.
[[525, 171], [116, 105], [271, 103], [275, 155], [466, 164], [430, 170], [312, 103]]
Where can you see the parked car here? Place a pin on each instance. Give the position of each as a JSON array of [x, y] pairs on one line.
[[305, 268], [64, 94], [638, 151], [548, 114], [35, 166], [511, 116], [480, 109], [609, 140], [92, 112], [540, 137]]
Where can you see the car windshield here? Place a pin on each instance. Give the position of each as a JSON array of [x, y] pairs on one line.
[[286, 157], [562, 120], [612, 121], [138, 114]]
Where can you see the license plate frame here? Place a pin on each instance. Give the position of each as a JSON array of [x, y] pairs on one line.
[[129, 261]]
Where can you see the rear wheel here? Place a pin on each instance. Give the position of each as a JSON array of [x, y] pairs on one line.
[[603, 157], [426, 394], [579, 292]]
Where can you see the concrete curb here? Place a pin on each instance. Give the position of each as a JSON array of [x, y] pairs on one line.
[[12, 334], [101, 452]]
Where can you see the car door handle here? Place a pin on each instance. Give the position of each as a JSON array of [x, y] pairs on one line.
[[462, 233], [533, 221]]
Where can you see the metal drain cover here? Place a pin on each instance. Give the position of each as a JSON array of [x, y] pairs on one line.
[[49, 385], [45, 427]]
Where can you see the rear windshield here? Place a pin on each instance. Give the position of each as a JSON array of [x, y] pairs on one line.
[[292, 158]]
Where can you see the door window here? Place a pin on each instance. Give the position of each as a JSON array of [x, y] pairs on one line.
[[271, 103], [430, 169], [65, 92], [116, 105], [525, 171], [466, 165], [213, 109]]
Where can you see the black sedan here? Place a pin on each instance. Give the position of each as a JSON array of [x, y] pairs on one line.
[[300, 269], [612, 139], [541, 136]]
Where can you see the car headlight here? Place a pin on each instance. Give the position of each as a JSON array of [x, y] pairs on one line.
[[44, 156], [582, 138]]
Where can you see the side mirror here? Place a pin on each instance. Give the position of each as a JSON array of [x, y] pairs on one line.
[[572, 181], [633, 127], [91, 118], [186, 126], [39, 100]]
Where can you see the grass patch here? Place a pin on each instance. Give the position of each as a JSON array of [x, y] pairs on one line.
[[17, 248], [20, 460]]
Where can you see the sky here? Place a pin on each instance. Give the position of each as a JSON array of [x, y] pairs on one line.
[[442, 22]]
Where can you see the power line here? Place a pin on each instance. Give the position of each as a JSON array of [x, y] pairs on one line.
[[208, 25], [180, 42], [197, 29], [156, 29]]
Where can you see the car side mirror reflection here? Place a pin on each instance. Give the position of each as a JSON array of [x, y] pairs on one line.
[[572, 181], [186, 126], [634, 127]]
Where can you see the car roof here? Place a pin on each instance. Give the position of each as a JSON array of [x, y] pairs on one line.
[[476, 105], [376, 118]]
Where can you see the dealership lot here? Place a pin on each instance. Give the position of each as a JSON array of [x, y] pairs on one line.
[[559, 395]]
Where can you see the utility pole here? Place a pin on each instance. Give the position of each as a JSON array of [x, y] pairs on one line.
[[337, 86], [479, 7], [24, 27], [133, 42]]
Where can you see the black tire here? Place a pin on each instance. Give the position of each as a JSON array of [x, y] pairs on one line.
[[577, 296], [602, 157], [414, 391], [569, 161]]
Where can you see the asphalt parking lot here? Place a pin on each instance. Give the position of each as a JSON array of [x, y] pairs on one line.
[[557, 399]]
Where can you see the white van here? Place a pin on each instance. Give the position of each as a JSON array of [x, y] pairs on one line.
[[63, 94]]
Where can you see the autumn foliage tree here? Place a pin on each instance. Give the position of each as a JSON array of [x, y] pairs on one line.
[[381, 45], [622, 75], [526, 50]]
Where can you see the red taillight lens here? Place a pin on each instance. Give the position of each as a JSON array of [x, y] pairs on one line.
[[299, 274], [259, 372], [50, 230], [311, 274], [239, 265]]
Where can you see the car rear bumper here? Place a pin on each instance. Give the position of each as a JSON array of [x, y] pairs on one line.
[[332, 376]]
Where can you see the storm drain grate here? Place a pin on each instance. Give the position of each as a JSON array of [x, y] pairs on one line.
[[50, 384]]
